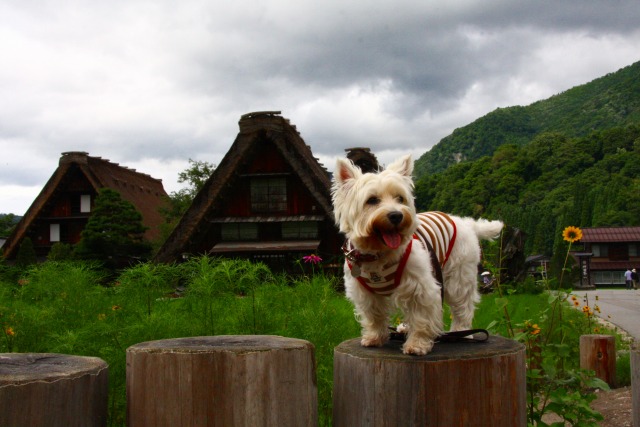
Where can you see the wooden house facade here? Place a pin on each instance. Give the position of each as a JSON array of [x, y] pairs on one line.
[[268, 200], [63, 207], [609, 252]]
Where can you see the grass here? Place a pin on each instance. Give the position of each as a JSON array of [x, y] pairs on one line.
[[66, 307]]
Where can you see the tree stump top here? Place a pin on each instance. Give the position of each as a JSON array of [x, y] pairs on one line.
[[238, 344], [392, 350], [24, 368]]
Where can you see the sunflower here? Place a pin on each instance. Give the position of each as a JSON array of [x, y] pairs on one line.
[[571, 234]]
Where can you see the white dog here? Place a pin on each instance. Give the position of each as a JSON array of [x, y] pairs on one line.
[[386, 267]]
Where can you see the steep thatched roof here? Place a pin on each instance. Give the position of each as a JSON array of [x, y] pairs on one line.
[[145, 192], [255, 128]]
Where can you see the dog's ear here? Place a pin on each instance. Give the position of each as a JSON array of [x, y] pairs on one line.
[[346, 171], [403, 166]]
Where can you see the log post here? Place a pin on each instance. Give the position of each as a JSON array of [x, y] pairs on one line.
[[635, 385], [46, 389], [252, 380], [457, 384], [598, 353]]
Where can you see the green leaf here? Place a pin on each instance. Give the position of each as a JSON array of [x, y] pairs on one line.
[[501, 303]]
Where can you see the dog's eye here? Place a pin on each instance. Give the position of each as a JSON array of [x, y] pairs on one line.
[[400, 199], [373, 200]]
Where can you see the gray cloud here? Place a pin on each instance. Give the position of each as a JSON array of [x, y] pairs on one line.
[[151, 84]]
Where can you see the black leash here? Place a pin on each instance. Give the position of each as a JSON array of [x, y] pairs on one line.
[[469, 335]]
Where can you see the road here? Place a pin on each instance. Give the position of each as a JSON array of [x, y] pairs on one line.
[[618, 306]]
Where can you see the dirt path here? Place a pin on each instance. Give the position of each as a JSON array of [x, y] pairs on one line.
[[615, 406]]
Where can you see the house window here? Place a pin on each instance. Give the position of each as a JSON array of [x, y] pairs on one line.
[[269, 195], [85, 203], [600, 251], [54, 232], [300, 230], [609, 277], [633, 249], [239, 231]]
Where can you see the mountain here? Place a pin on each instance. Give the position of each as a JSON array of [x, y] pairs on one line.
[[611, 101]]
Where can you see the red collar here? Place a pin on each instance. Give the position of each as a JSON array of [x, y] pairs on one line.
[[354, 255], [397, 276]]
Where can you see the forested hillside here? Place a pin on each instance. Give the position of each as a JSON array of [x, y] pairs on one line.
[[609, 102], [545, 185]]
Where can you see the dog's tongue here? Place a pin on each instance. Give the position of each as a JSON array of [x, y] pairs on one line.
[[392, 239]]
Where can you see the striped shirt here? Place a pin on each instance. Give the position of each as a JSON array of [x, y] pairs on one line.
[[439, 230]]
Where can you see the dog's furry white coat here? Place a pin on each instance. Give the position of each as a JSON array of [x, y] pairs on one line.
[[376, 213]]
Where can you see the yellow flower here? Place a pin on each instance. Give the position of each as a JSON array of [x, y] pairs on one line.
[[596, 330], [576, 303], [115, 307], [571, 234], [9, 331], [535, 330], [574, 298], [586, 309], [102, 316]]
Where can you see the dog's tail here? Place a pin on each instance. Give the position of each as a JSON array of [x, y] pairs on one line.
[[487, 230]]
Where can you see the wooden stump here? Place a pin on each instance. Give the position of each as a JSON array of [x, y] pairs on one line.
[[635, 385], [45, 389], [222, 381], [598, 353], [457, 384]]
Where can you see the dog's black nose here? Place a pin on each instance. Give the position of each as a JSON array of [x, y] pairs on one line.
[[395, 217]]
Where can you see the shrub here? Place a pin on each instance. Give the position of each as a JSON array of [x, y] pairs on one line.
[[26, 253]]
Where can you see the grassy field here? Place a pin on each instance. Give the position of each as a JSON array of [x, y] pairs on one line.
[[71, 308]]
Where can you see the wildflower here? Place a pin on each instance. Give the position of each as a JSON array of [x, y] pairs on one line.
[[102, 316], [596, 330], [313, 259], [23, 282], [535, 329], [576, 303], [571, 234], [586, 309], [596, 308], [9, 331], [116, 307], [574, 298], [597, 298]]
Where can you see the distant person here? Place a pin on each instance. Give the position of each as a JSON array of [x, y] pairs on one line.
[[628, 278], [634, 278]]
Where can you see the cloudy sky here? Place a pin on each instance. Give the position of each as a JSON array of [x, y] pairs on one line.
[[152, 83]]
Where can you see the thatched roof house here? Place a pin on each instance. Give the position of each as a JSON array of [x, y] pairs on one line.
[[269, 199], [61, 210]]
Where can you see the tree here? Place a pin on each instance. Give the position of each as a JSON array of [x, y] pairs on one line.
[[114, 233], [196, 175], [7, 224]]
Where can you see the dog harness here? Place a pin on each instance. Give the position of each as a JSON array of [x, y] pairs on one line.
[[436, 232]]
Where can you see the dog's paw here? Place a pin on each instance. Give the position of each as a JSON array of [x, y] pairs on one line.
[[417, 347], [373, 340]]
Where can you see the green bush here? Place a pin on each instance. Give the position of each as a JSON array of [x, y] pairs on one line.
[[26, 253], [623, 369], [60, 252]]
